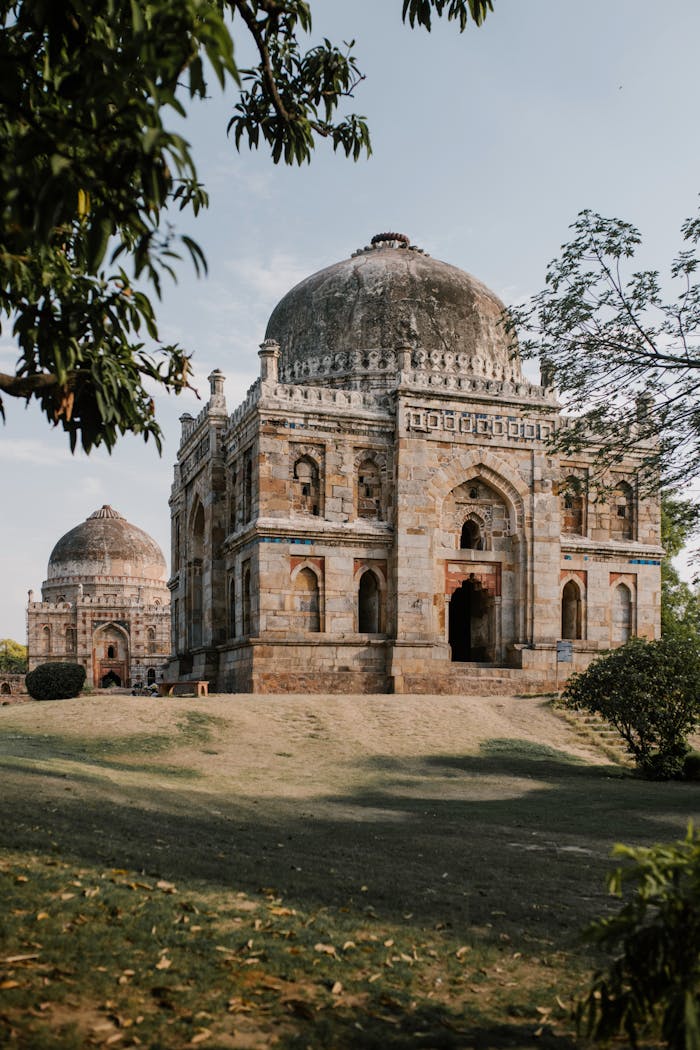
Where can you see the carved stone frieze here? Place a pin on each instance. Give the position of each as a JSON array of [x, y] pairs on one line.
[[477, 424]]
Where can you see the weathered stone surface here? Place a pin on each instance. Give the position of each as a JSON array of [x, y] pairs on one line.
[[106, 544], [386, 297]]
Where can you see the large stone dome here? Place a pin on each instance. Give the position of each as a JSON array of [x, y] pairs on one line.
[[389, 295], [104, 545]]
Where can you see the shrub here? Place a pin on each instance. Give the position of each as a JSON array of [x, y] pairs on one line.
[[650, 693], [55, 681], [654, 979]]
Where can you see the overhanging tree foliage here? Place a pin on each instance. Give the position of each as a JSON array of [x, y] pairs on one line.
[[624, 356], [91, 175]]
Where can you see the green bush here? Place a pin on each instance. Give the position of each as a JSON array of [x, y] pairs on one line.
[[55, 681], [653, 982], [650, 693]]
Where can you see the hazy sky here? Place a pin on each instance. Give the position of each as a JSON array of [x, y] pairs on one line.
[[486, 146]]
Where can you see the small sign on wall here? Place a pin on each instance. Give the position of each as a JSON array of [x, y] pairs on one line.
[[565, 652]]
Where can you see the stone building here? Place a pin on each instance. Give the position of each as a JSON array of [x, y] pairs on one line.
[[11, 685], [105, 603], [383, 512]]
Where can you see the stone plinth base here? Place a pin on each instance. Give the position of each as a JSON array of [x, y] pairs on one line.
[[477, 680], [337, 682]]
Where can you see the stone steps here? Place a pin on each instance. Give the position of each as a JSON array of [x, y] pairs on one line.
[[601, 732]]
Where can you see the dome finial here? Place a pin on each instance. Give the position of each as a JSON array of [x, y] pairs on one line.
[[390, 238], [106, 511]]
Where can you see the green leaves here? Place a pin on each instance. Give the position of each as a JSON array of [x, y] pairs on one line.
[[420, 12], [290, 99], [654, 979], [13, 656], [618, 346], [89, 164], [87, 167], [650, 693]]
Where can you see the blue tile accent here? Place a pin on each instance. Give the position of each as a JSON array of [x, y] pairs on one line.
[[284, 539]]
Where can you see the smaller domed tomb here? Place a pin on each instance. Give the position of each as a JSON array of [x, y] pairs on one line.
[[105, 603]]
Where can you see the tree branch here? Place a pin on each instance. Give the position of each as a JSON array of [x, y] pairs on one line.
[[28, 386]]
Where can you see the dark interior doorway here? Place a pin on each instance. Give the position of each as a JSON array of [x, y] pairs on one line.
[[468, 623], [111, 678], [368, 604]]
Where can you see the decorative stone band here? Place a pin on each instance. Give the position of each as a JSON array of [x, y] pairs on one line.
[[439, 364], [478, 424], [112, 602]]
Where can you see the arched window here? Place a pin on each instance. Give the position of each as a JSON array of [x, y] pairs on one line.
[[233, 503], [46, 640], [248, 488], [175, 626], [572, 504], [307, 490], [368, 604], [70, 639], [571, 610], [246, 599], [622, 512], [110, 652], [151, 640], [621, 614], [369, 490], [231, 607], [176, 543], [471, 538], [306, 601], [195, 577], [150, 675]]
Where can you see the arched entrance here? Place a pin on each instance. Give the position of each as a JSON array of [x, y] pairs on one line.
[[469, 632], [110, 654]]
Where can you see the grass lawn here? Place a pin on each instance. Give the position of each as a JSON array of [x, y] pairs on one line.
[[370, 872]]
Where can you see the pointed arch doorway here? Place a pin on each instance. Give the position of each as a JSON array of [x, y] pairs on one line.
[[470, 628], [111, 655]]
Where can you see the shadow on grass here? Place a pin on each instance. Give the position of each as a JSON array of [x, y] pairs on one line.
[[385, 1025], [508, 838], [508, 848], [195, 727]]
